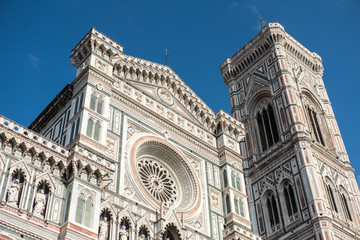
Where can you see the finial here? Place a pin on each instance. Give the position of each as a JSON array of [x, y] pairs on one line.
[[166, 52], [261, 21]]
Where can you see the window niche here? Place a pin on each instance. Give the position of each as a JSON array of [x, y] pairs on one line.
[[314, 121], [266, 125], [96, 103], [289, 201], [271, 211], [84, 208], [344, 201], [93, 129]]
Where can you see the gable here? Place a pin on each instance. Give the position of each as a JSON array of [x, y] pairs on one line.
[[166, 98]]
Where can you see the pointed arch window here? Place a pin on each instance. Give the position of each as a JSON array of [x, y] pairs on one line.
[[238, 186], [345, 207], [93, 129], [272, 210], [225, 178], [227, 202], [267, 127], [290, 200], [331, 198], [314, 124], [84, 210], [96, 103]]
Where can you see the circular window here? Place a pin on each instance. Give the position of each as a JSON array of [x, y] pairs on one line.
[[164, 174], [158, 180]]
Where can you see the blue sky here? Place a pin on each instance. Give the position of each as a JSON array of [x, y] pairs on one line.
[[37, 38]]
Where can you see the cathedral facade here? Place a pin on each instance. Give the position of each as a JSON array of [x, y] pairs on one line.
[[129, 151]]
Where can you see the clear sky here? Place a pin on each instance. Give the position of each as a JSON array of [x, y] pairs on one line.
[[37, 38]]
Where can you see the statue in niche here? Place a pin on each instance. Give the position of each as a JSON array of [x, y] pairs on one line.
[[13, 192], [142, 237], [103, 229], [40, 201], [123, 233]]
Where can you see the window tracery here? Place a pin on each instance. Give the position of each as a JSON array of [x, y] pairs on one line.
[[272, 211], [84, 208], [345, 206], [266, 125], [93, 129], [158, 180], [96, 103], [331, 197], [290, 200], [313, 122]]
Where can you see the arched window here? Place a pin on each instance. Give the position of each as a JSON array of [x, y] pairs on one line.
[[93, 130], [97, 131], [238, 186], [313, 121], [345, 207], [272, 210], [227, 202], [290, 200], [236, 203], [99, 105], [225, 178], [84, 210], [233, 181], [96, 103], [89, 127], [331, 198], [241, 206], [267, 127]]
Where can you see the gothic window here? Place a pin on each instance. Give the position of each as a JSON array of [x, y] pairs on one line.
[[227, 204], [233, 180], [290, 200], [84, 210], [331, 198], [236, 203], [225, 178], [314, 124], [41, 199], [241, 207], [14, 191], [345, 207], [238, 186], [272, 210], [267, 127], [96, 103], [93, 129], [78, 103]]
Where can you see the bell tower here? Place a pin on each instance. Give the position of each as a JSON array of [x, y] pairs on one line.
[[299, 179]]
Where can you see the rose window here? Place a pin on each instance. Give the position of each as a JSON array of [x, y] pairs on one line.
[[157, 180], [163, 175]]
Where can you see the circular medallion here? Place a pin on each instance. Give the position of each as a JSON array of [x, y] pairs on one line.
[[165, 96]]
